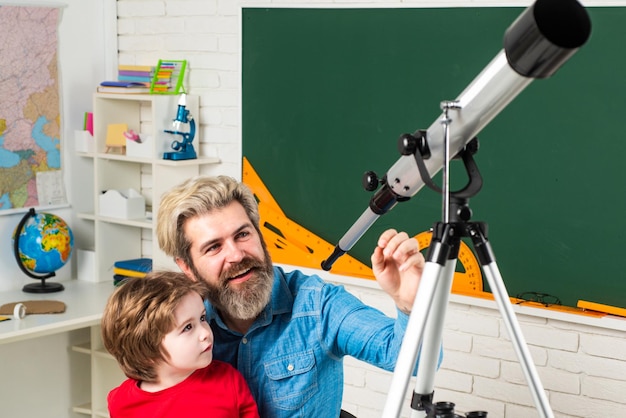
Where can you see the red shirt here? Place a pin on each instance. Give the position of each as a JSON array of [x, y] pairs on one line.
[[217, 391]]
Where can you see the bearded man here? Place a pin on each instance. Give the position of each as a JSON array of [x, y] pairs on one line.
[[286, 332]]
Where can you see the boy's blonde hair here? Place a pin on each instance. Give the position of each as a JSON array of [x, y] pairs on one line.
[[138, 315]]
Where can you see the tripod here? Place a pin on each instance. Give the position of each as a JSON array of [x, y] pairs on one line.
[[425, 326]]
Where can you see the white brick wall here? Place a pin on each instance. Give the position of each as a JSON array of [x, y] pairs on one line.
[[581, 366], [582, 363]]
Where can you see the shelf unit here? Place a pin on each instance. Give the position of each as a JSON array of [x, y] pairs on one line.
[[105, 375], [147, 172]]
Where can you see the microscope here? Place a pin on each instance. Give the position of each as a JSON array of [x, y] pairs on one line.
[[183, 150]]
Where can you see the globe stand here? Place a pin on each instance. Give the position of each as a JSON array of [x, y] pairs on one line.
[[42, 287]]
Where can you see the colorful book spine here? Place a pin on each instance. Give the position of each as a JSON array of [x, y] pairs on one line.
[[127, 67], [143, 265], [128, 273], [142, 80], [135, 73]]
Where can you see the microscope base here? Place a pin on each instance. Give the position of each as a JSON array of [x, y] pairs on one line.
[[179, 155]]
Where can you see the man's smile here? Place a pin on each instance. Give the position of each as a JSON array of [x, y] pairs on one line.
[[241, 277]]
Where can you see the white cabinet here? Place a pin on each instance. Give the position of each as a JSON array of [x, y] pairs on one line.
[[105, 375], [46, 360], [144, 171]]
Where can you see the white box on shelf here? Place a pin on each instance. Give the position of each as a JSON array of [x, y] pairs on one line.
[[86, 265], [143, 149], [84, 142], [125, 204]]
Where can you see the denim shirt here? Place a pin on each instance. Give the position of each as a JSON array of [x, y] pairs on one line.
[[292, 355]]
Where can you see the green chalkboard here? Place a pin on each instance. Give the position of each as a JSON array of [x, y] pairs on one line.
[[327, 93]]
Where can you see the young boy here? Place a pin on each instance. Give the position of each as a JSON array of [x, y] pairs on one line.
[[156, 329]]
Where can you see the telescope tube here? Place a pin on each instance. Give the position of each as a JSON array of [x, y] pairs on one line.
[[536, 44]]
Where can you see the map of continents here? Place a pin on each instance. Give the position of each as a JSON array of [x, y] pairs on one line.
[[29, 102]]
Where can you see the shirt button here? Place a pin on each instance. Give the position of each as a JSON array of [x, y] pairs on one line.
[[290, 367], [244, 340]]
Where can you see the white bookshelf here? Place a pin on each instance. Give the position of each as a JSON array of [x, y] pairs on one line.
[[148, 173], [117, 238]]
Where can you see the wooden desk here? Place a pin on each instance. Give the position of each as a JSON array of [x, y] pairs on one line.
[[84, 303]]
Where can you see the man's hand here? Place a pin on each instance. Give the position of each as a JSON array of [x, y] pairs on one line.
[[398, 265]]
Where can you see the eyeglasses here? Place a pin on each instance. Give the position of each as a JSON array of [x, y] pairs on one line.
[[542, 298]]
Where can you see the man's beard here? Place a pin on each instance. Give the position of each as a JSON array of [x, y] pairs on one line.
[[249, 298]]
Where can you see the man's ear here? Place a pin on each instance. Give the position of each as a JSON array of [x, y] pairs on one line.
[[185, 269]]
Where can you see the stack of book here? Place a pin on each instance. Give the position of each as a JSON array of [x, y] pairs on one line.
[[136, 267], [130, 79], [136, 73]]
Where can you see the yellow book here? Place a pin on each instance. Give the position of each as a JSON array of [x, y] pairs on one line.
[[128, 273], [135, 67]]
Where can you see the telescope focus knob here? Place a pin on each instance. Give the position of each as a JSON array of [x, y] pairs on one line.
[[370, 181], [409, 144]]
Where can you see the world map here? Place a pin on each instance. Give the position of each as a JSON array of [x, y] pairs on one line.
[[29, 102]]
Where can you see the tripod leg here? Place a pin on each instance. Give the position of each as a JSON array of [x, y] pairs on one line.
[[413, 336], [492, 273], [430, 351], [432, 276]]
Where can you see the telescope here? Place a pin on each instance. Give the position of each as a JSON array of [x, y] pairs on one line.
[[536, 45]]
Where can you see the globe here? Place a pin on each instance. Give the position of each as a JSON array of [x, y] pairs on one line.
[[42, 243]]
